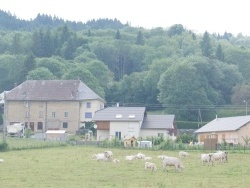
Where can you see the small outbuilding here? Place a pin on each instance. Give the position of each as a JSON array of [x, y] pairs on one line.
[[129, 141], [56, 135]]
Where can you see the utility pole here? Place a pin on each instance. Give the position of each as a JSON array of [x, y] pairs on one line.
[[199, 118], [4, 117], [245, 101]]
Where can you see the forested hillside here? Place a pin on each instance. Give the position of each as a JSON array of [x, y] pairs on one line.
[[174, 69]]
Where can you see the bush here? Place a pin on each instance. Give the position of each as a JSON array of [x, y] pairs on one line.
[[3, 146]]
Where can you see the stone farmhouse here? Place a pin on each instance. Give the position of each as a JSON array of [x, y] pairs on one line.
[[232, 130], [52, 105], [123, 122]]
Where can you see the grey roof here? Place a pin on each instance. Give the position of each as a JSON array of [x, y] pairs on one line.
[[158, 122], [225, 124], [120, 114], [45, 90]]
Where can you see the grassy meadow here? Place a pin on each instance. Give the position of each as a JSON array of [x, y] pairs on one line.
[[72, 166]]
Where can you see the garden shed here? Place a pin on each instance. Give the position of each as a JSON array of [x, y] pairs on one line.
[[56, 135]]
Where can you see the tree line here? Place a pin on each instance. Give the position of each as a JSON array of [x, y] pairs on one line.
[[172, 69]]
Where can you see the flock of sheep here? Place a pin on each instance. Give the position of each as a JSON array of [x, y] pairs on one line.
[[167, 161]]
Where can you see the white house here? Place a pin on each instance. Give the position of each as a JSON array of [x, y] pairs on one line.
[[121, 122]]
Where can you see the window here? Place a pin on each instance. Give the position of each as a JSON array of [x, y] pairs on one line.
[[41, 114], [53, 114], [118, 135], [39, 125], [65, 125], [66, 114], [88, 114], [88, 105]]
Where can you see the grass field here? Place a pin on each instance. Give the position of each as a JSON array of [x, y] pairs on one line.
[[72, 166]]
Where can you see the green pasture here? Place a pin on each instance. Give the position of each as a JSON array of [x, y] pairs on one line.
[[72, 166]]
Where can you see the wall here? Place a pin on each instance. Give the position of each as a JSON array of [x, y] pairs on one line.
[[153, 132], [126, 128]]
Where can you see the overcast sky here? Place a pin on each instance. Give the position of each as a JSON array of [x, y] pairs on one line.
[[214, 16]]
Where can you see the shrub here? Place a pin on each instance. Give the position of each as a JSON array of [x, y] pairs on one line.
[[3, 146]]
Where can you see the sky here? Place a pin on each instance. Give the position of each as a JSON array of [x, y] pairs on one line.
[[213, 16]]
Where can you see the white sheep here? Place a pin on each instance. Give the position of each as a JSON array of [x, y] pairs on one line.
[[183, 154], [1, 160], [150, 166], [100, 157], [172, 161], [161, 156], [140, 156], [108, 154], [224, 156], [147, 158], [206, 158], [130, 157], [116, 161]]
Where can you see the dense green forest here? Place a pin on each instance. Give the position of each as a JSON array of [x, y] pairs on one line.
[[175, 70]]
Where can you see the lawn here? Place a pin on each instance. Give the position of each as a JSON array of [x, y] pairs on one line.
[[72, 166]]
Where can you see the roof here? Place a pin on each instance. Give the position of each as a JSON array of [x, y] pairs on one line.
[[55, 131], [45, 90], [225, 124], [120, 114], [158, 122]]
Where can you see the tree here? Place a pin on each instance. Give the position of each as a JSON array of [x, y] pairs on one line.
[[81, 73], [176, 29], [219, 53], [16, 44], [40, 73], [206, 47], [139, 38], [118, 35], [241, 93]]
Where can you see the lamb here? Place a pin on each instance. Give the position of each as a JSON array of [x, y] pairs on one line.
[[150, 166], [172, 161], [140, 156], [108, 154], [100, 157], [161, 156], [130, 157], [183, 154], [147, 158], [206, 158], [116, 161]]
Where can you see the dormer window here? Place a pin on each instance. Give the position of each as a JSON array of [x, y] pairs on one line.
[[118, 116], [131, 116]]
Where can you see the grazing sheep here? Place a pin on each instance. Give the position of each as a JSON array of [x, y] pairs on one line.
[[183, 154], [100, 157], [206, 158], [1, 160], [147, 158], [161, 156], [224, 156], [116, 161], [220, 156], [150, 166], [108, 154], [130, 157], [140, 156], [172, 161]]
